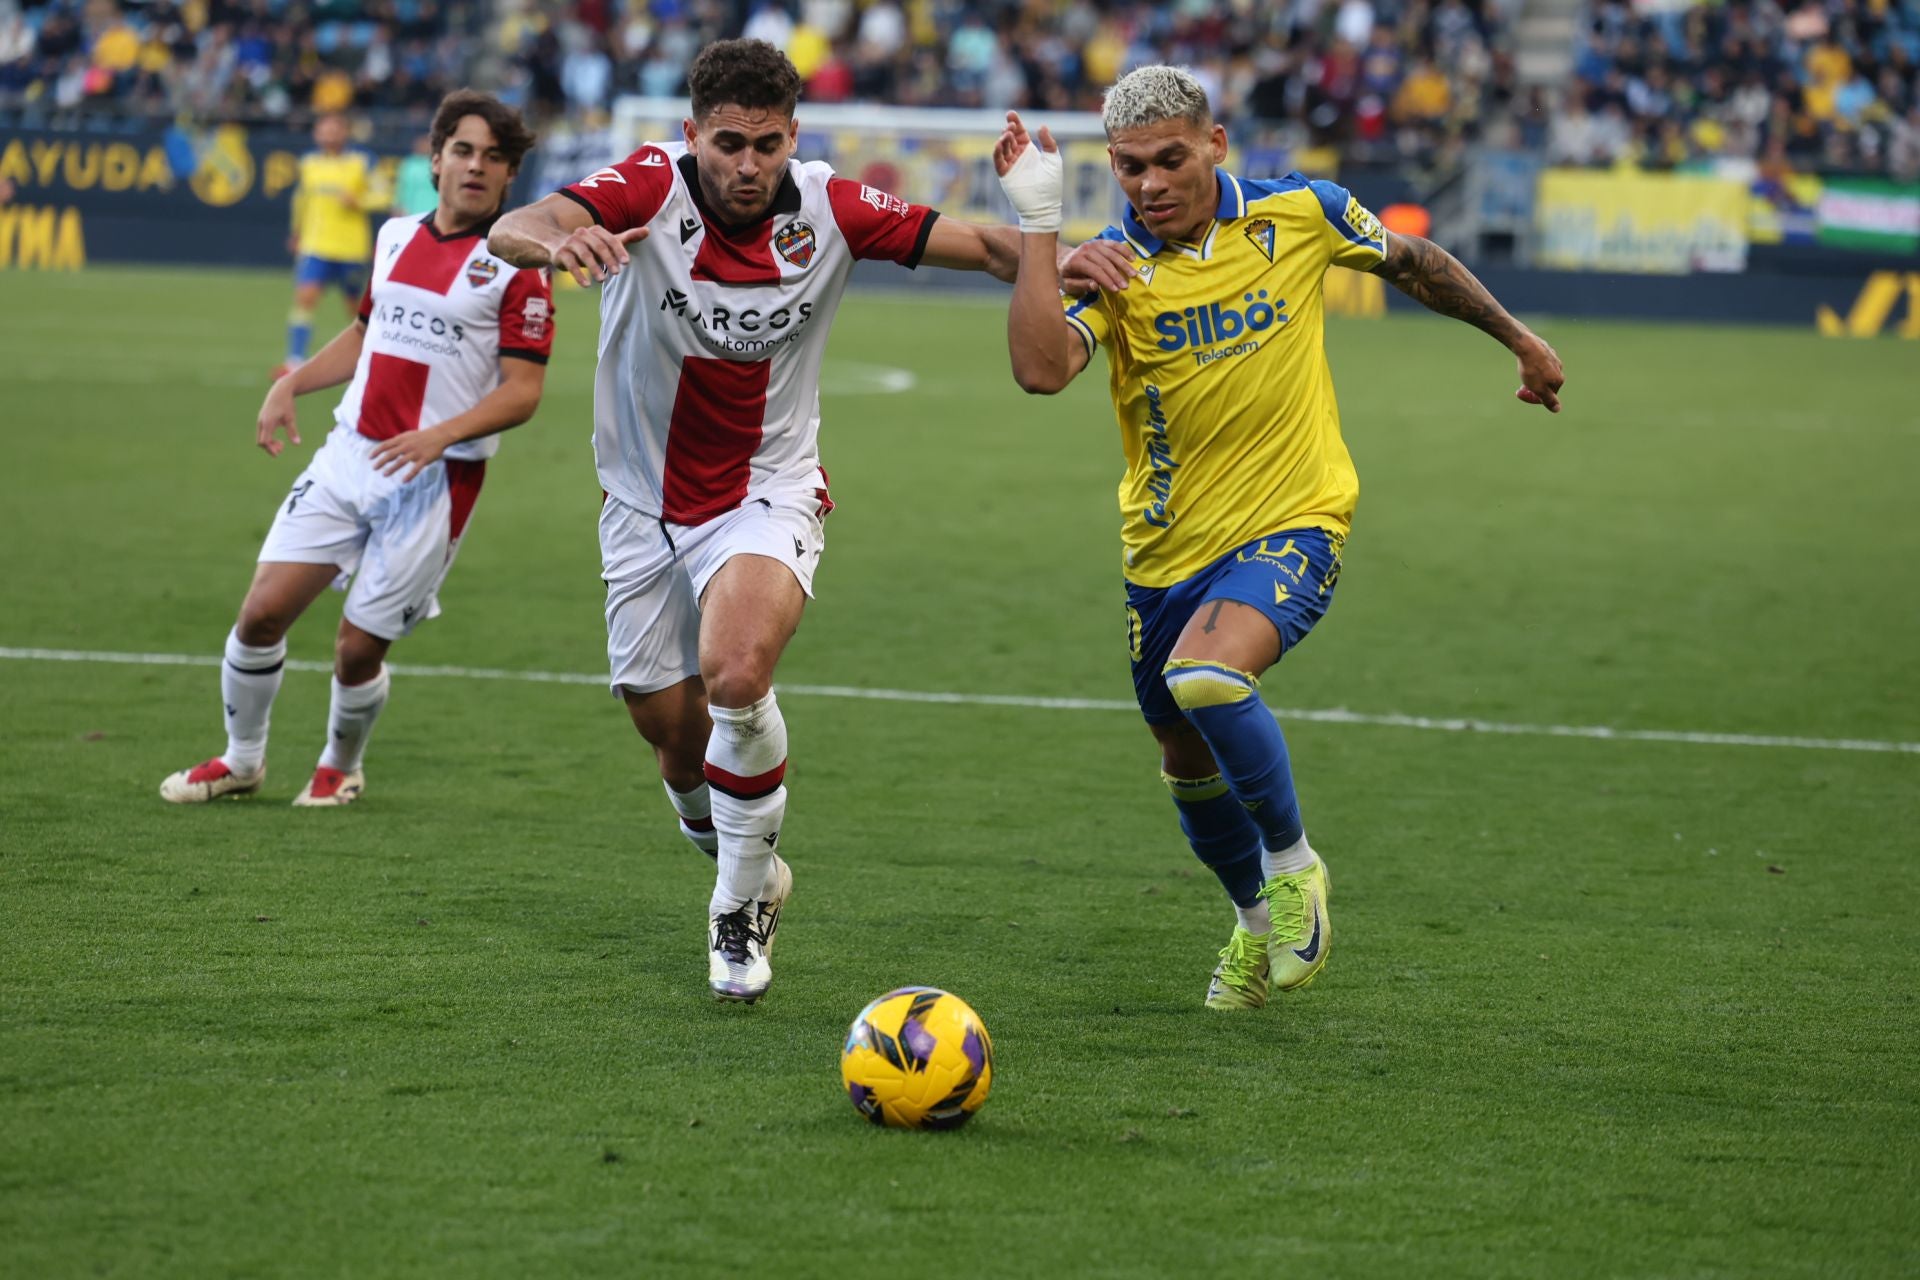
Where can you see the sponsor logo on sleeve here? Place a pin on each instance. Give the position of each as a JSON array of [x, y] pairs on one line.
[[1364, 224], [533, 319], [883, 201]]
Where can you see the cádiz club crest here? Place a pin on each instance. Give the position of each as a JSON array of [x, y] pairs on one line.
[[795, 243], [1260, 231]]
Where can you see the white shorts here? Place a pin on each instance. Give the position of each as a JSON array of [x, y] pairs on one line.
[[656, 571], [392, 542]]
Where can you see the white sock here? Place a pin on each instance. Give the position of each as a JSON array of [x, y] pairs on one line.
[[350, 720], [746, 762], [695, 809], [1256, 918], [248, 680], [1296, 857]]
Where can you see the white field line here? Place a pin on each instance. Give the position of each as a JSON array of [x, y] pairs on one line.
[[1325, 715]]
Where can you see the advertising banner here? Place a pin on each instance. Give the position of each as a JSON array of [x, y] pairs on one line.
[[1649, 223], [1865, 213], [152, 193]]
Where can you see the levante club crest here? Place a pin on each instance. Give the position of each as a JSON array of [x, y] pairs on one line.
[[481, 271], [795, 244], [1260, 231]]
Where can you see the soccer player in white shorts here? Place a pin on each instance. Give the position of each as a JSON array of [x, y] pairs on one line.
[[723, 261], [449, 348]]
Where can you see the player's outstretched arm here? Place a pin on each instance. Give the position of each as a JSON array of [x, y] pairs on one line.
[[1440, 282], [331, 366], [967, 246], [1045, 351], [558, 232], [507, 405]]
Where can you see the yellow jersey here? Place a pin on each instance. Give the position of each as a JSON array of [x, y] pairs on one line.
[[1216, 358], [330, 206]]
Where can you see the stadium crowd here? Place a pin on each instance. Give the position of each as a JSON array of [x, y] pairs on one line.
[[234, 59], [1368, 73], [1832, 86]]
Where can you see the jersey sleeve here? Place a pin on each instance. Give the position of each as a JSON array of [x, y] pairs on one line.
[[365, 310], [1354, 236], [879, 225], [1088, 316], [625, 195], [1089, 313], [526, 316]]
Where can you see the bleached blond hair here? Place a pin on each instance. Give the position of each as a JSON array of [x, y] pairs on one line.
[[1149, 95]]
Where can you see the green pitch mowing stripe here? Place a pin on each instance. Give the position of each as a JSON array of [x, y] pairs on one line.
[[1592, 1008]]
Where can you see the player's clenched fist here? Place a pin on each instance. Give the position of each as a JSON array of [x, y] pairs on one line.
[[1541, 376], [593, 253]]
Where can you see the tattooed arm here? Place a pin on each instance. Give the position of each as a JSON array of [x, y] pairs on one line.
[[1439, 282]]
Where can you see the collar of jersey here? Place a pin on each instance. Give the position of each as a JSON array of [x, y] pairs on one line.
[[786, 198], [1233, 204], [479, 228]]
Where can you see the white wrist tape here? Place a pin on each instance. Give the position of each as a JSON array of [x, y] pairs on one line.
[[1034, 186]]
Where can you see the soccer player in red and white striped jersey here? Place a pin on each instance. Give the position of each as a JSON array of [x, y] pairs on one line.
[[722, 262], [449, 348]]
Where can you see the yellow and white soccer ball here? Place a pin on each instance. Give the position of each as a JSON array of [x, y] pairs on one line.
[[917, 1058]]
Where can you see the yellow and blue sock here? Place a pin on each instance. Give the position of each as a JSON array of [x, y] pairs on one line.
[[1224, 705], [1222, 835], [299, 333]]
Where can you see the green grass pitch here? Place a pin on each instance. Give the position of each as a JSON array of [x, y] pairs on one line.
[[1596, 1008]]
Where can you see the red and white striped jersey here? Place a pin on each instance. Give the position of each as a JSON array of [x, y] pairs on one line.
[[708, 389], [441, 313]]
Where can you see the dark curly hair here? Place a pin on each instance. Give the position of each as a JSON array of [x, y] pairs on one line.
[[743, 73], [509, 130]]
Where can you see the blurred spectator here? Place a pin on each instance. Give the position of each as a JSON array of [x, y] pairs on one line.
[[1818, 86], [586, 73], [413, 189], [234, 59], [771, 22], [1830, 82], [1424, 96]]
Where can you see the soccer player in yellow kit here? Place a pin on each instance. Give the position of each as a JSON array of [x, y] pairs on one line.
[[331, 238], [1239, 490]]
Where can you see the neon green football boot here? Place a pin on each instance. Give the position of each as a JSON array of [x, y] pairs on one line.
[[1240, 979], [1302, 934]]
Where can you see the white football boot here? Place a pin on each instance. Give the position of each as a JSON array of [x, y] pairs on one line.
[[209, 781], [739, 942]]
